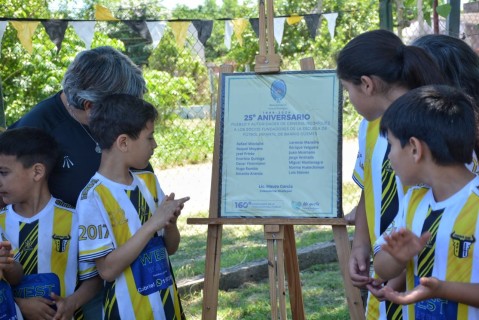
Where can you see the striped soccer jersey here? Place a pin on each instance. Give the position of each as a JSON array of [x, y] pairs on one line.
[[382, 193], [46, 243], [110, 213], [451, 253]]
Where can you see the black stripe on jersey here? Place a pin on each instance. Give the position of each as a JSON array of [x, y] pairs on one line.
[[28, 239], [110, 303], [389, 196], [425, 260], [140, 204]]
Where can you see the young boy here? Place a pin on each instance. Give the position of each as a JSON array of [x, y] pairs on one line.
[[11, 273], [43, 231], [128, 226], [432, 132]]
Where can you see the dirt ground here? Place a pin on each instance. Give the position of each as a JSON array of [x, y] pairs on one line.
[[195, 180]]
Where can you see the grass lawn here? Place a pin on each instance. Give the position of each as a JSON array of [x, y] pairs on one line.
[[322, 285]]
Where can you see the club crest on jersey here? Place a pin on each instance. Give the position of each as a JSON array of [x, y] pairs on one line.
[[387, 166], [28, 245], [462, 244], [61, 242], [391, 228], [117, 218]]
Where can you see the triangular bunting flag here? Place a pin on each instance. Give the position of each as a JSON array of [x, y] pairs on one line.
[[254, 22], [180, 29], [312, 21], [3, 26], [204, 29], [279, 29], [197, 47], [85, 30], [157, 30], [294, 19], [56, 31], [25, 31], [331, 18], [239, 26], [102, 13], [140, 28], [228, 33]]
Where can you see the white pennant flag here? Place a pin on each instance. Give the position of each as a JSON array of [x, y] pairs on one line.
[[85, 30], [279, 29], [197, 47], [331, 18], [157, 30], [228, 33], [3, 26]]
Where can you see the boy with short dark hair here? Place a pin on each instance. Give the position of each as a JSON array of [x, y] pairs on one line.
[[432, 133], [128, 226], [42, 230]]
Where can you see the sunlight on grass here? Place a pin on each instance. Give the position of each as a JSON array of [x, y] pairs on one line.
[[323, 296]]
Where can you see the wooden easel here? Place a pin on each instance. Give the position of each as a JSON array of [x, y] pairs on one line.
[[278, 232]]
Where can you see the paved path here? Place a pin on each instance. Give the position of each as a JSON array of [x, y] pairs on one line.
[[195, 180]]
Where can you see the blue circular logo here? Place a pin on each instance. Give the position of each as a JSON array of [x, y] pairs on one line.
[[278, 90]]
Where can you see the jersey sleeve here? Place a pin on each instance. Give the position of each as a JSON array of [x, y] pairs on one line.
[[95, 237], [358, 174]]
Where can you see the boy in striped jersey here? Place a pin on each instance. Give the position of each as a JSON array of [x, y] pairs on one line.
[[127, 224], [42, 230], [432, 132]]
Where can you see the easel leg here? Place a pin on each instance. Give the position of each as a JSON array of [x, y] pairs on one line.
[[343, 249], [292, 274], [275, 234], [212, 272]]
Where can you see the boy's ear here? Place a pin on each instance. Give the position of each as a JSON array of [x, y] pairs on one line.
[[367, 84], [417, 149], [122, 142], [39, 171]]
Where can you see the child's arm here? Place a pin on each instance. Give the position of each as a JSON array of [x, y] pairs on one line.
[[361, 249], [66, 307], [114, 263], [399, 248], [10, 269], [429, 288]]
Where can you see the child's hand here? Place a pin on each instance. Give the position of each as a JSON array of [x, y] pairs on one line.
[[359, 261], [425, 290], [6, 254], [377, 290], [403, 245], [177, 211], [168, 211], [65, 307], [36, 308]]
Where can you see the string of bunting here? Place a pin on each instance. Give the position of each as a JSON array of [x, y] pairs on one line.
[[153, 30]]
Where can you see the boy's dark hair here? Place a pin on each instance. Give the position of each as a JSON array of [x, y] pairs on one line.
[[442, 116], [381, 53], [120, 114], [30, 146]]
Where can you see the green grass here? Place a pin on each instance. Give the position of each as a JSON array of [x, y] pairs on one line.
[[323, 298], [240, 244]]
